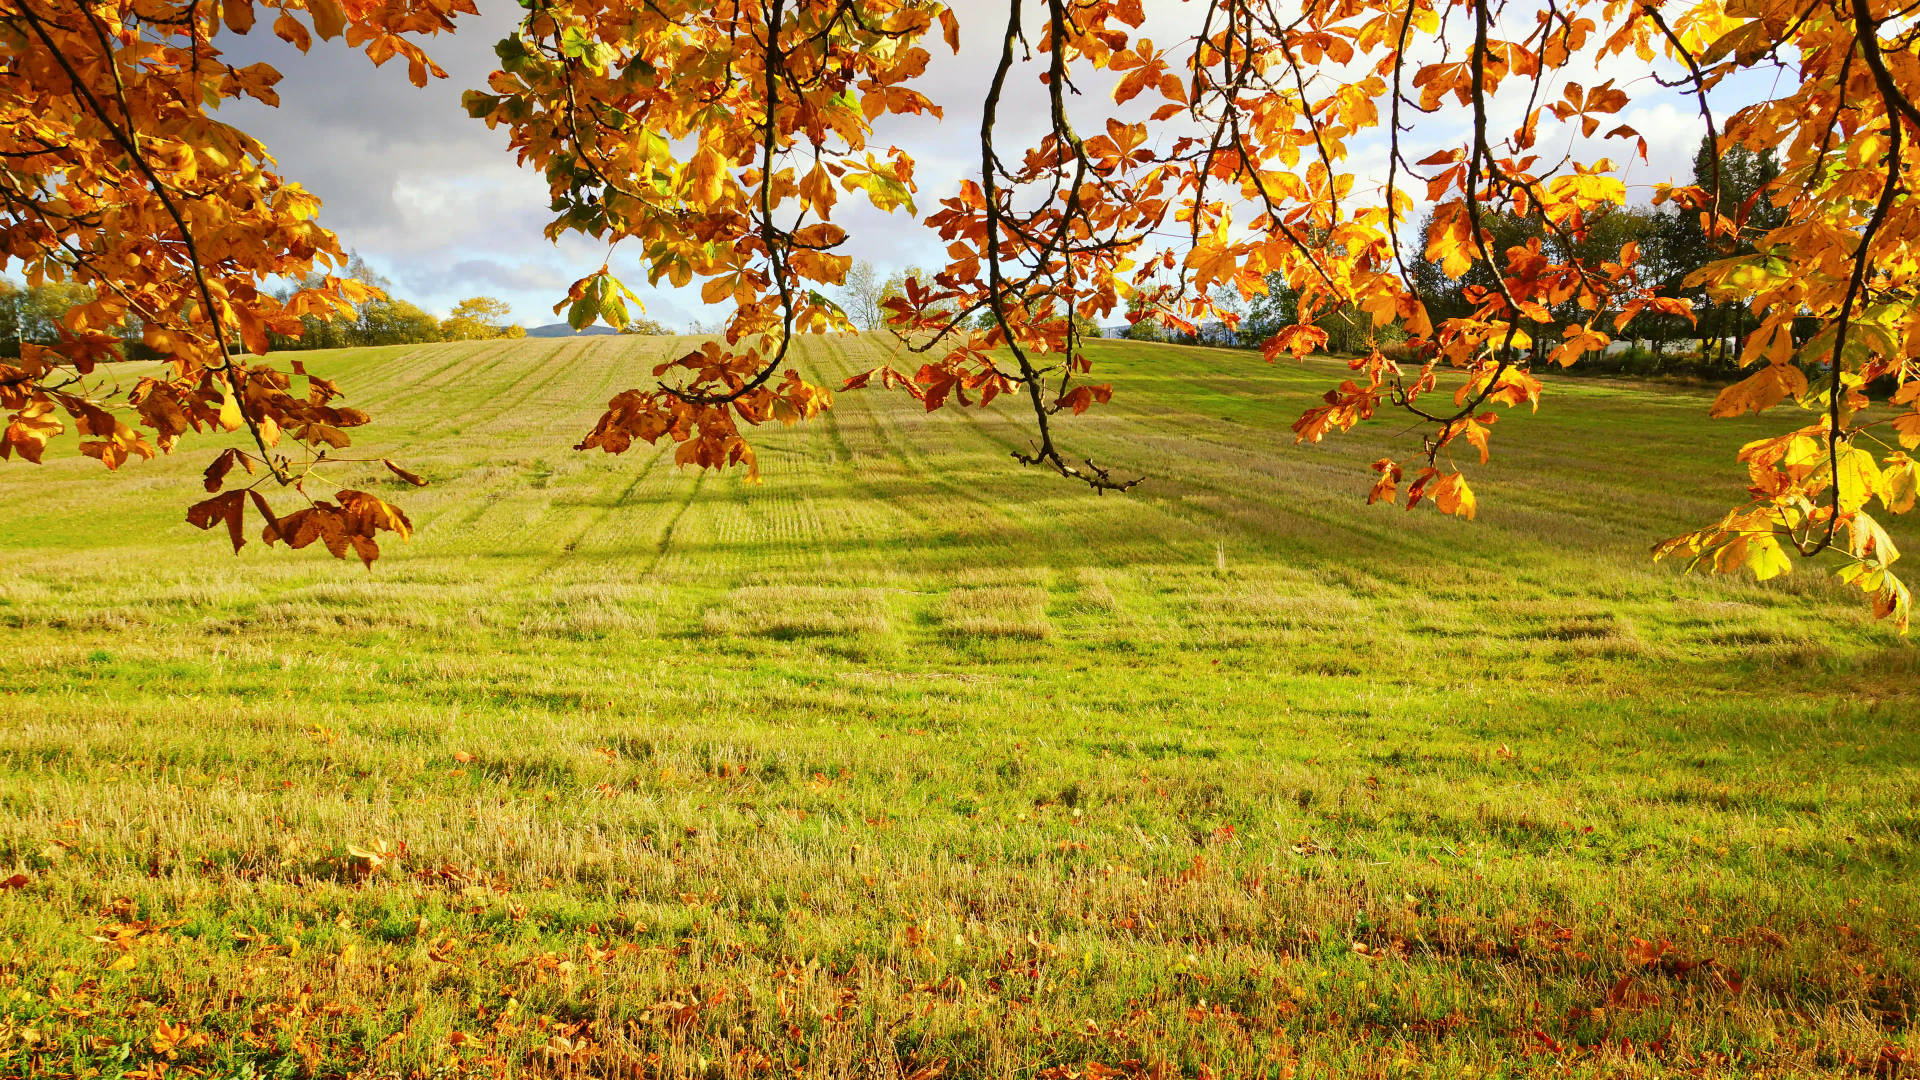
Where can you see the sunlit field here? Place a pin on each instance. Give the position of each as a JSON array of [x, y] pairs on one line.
[[911, 762]]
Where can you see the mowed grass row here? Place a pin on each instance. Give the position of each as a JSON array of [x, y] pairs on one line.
[[913, 762]]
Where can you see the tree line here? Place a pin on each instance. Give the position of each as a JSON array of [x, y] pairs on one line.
[[32, 314], [384, 319]]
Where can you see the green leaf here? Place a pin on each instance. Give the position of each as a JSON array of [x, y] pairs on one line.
[[819, 299], [596, 55], [510, 50], [590, 304], [581, 313]]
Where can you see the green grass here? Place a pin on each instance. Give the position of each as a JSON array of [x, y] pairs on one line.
[[911, 758]]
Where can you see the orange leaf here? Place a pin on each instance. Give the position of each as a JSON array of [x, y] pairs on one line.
[[238, 14], [411, 478]]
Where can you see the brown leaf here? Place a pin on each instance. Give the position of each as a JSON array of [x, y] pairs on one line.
[[230, 507], [260, 503], [217, 472], [1617, 996]]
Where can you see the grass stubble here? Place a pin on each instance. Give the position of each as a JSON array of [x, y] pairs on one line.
[[912, 763]]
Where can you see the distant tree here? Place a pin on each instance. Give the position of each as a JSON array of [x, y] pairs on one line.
[[381, 319], [646, 328], [1269, 312], [10, 329], [1348, 329], [33, 314], [396, 322], [860, 296], [477, 318], [1743, 177]]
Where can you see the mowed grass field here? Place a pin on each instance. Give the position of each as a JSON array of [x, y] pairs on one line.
[[911, 762]]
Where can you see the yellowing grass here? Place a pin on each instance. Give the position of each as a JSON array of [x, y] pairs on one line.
[[911, 762]]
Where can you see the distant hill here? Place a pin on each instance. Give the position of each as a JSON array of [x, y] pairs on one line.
[[561, 329]]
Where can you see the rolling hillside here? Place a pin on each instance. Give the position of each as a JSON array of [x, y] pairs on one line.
[[913, 762]]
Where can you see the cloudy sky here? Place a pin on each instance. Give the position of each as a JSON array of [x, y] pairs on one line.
[[434, 201]]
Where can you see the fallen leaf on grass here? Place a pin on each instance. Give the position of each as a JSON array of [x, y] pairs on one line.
[[931, 1071]]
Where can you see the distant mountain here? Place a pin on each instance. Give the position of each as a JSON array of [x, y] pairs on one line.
[[561, 329]]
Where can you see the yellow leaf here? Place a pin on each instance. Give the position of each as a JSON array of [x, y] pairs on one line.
[[1766, 558], [1730, 557], [1899, 483], [817, 188], [329, 18], [230, 418], [706, 175], [1859, 478], [1453, 496], [1450, 240], [1871, 542], [1760, 391]]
